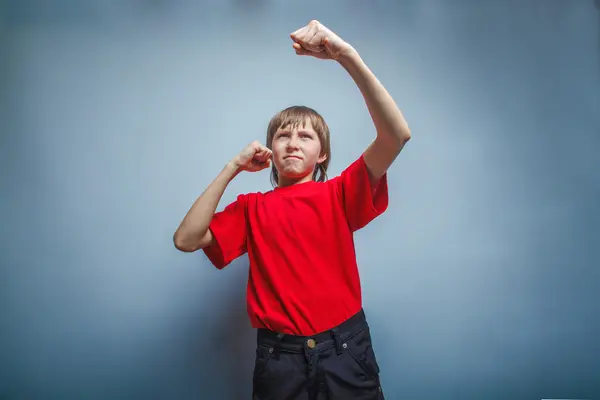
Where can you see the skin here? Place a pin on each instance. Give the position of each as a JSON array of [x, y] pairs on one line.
[[317, 41]]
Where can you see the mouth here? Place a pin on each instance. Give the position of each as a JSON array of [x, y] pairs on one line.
[[296, 157]]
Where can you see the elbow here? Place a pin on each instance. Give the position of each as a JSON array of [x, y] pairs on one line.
[[182, 245], [401, 137], [404, 135]]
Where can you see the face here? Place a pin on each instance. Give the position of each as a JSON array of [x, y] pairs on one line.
[[296, 152]]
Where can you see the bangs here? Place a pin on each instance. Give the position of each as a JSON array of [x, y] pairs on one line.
[[294, 117]]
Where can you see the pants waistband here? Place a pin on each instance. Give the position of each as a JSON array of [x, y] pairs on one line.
[[328, 338]]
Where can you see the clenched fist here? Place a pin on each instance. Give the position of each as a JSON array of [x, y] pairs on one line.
[[254, 157], [316, 40]]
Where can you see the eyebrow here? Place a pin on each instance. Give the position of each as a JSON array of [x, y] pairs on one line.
[[299, 132]]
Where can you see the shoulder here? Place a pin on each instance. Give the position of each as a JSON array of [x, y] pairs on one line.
[[253, 197], [351, 171]]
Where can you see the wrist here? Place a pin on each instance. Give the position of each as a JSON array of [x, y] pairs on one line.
[[233, 168], [349, 57]]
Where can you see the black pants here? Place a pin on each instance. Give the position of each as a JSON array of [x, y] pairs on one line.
[[336, 364]]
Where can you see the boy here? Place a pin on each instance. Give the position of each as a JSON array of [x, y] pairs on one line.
[[303, 292]]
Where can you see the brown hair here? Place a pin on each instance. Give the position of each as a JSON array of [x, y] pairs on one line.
[[292, 117]]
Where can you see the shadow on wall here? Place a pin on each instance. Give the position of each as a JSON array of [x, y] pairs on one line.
[[598, 9], [219, 350], [597, 2]]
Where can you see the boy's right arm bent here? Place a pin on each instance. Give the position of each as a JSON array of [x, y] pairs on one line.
[[193, 233]]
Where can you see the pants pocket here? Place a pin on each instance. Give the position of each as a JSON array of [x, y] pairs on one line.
[[360, 349], [263, 356]]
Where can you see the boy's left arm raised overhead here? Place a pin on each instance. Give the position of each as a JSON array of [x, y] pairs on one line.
[[392, 130]]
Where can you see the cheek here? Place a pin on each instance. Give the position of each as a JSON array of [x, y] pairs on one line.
[[314, 150], [278, 152]]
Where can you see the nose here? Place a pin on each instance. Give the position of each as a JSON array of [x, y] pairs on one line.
[[293, 142]]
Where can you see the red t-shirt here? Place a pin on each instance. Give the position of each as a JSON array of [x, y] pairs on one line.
[[303, 275]]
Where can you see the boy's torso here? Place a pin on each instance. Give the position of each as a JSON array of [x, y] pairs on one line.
[[303, 275]]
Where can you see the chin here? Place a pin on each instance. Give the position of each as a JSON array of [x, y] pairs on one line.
[[293, 174]]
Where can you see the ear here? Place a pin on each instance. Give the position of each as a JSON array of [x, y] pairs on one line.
[[321, 158]]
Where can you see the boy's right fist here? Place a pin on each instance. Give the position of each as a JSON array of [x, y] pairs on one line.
[[254, 157]]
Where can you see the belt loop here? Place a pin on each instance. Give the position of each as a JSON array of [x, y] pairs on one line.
[[338, 342], [277, 345]]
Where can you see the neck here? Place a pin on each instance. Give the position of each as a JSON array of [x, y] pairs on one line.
[[285, 182]]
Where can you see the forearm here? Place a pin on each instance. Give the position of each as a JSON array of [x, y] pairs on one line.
[[194, 227], [387, 117]]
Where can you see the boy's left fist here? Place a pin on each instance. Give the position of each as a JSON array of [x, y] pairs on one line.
[[316, 40]]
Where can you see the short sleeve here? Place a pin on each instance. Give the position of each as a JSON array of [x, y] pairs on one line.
[[362, 202], [229, 231]]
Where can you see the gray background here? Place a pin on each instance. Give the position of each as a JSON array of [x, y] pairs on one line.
[[481, 281]]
